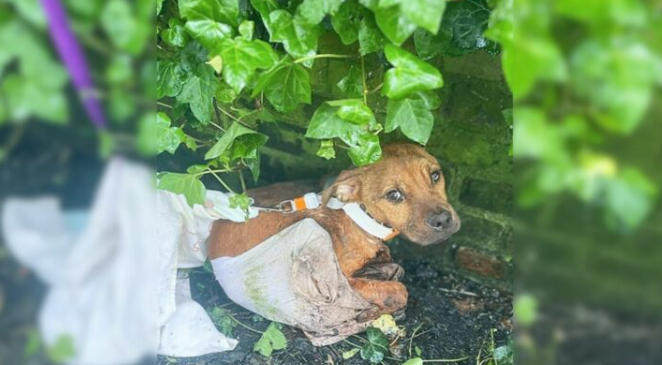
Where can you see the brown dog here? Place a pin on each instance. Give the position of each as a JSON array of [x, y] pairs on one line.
[[404, 190]]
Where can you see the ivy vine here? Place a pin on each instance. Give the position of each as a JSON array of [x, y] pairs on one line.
[[226, 66]]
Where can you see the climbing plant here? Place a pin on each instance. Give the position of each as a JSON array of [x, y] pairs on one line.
[[227, 66]]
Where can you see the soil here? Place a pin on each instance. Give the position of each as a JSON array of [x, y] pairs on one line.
[[454, 317]]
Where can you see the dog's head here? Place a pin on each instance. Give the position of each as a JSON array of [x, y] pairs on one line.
[[405, 190]]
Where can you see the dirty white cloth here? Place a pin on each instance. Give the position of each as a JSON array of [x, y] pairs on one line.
[[181, 233], [294, 278], [97, 266]]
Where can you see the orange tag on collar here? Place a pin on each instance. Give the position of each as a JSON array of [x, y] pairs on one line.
[[299, 203]]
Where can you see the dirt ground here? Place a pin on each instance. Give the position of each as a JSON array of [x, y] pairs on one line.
[[454, 319]]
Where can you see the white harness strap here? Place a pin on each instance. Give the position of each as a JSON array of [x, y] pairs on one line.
[[353, 210]]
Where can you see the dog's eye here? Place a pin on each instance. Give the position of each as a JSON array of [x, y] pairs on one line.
[[435, 176], [394, 195]]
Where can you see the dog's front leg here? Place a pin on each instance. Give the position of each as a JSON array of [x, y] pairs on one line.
[[388, 296]]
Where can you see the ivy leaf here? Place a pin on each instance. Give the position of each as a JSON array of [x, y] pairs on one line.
[[352, 84], [246, 29], [363, 145], [241, 201], [242, 57], [424, 13], [346, 22], [169, 79], [221, 318], [222, 11], [326, 150], [377, 346], [298, 38], [175, 35], [409, 75], [272, 339], [394, 24], [285, 85], [125, 31], [241, 141], [265, 7], [313, 11], [188, 185], [371, 38], [353, 110], [208, 32], [413, 117], [198, 92], [167, 138], [224, 93]]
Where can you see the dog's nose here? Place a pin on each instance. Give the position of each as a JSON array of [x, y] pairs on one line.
[[441, 221]]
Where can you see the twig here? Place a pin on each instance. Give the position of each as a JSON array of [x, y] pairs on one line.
[[467, 293]]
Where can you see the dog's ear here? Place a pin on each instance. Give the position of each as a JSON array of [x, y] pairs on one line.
[[346, 188]]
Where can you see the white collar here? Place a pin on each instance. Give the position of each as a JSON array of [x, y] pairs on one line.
[[353, 210]]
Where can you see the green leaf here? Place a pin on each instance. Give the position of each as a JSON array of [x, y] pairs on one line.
[[62, 350], [124, 30], [234, 135], [24, 98], [504, 355], [616, 77], [364, 148], [167, 138], [371, 38], [346, 22], [122, 105], [188, 185], [120, 69], [352, 84], [424, 13], [286, 85], [377, 346], [350, 354], [242, 57], [272, 339], [198, 92], [413, 116], [242, 202], [298, 38], [265, 7], [326, 150], [525, 309], [409, 75], [246, 29], [353, 110], [170, 79], [363, 145], [394, 24], [414, 361], [208, 32], [223, 320], [175, 35], [222, 11], [224, 93], [146, 144], [313, 11]]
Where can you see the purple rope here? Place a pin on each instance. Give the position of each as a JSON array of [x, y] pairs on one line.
[[73, 58]]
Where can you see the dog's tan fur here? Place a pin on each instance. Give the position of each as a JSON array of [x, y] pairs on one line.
[[405, 167]]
